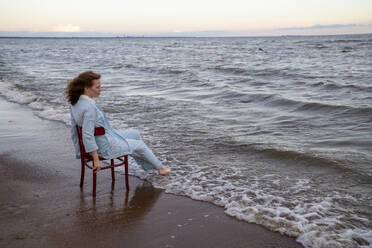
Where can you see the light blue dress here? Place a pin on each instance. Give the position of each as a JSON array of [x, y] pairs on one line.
[[114, 143]]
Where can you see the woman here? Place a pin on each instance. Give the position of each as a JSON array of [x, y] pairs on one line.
[[84, 112]]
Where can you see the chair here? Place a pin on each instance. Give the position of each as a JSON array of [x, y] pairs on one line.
[[86, 158]]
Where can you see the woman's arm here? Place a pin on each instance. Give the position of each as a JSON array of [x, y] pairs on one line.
[[88, 126], [96, 162], [74, 136]]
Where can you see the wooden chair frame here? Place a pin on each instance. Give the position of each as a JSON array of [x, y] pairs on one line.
[[86, 158]]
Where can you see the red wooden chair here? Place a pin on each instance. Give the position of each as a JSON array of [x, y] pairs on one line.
[[86, 158]]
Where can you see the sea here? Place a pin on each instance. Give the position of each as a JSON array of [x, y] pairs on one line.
[[275, 130]]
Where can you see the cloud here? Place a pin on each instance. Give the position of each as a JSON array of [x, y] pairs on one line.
[[66, 28], [57, 34]]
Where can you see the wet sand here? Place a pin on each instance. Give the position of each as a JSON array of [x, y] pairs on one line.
[[42, 205]]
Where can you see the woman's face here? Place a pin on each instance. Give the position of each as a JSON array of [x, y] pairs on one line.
[[95, 90]]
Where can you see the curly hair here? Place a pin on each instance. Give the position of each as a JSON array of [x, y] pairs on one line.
[[75, 87]]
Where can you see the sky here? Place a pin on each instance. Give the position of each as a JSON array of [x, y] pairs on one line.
[[185, 17]]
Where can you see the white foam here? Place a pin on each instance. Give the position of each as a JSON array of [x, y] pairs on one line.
[[315, 222], [56, 114], [10, 92]]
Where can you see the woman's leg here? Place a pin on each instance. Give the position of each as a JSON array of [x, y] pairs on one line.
[[143, 155]]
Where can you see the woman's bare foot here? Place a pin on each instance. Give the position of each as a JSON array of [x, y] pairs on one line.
[[164, 171]]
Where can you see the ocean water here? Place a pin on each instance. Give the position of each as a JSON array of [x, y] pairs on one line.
[[276, 130]]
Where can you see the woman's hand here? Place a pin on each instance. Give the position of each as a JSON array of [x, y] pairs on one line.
[[96, 162], [97, 166]]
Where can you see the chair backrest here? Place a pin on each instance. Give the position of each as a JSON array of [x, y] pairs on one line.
[[97, 132]]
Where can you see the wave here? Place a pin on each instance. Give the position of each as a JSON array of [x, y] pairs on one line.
[[276, 153], [335, 86], [159, 69], [41, 106], [321, 107], [278, 101], [339, 109], [230, 96], [309, 158], [271, 73], [15, 93], [121, 65], [130, 66], [319, 46], [252, 71], [234, 70]]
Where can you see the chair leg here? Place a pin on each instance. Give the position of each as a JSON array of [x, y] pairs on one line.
[[126, 172], [94, 183], [82, 174], [112, 170]]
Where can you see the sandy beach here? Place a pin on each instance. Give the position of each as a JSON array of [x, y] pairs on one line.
[[42, 205]]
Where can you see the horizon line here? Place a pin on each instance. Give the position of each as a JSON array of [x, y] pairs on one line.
[[166, 36], [155, 36]]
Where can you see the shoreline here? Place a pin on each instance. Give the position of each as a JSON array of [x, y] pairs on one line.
[[41, 203]]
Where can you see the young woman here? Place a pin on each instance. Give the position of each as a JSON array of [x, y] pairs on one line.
[[84, 112]]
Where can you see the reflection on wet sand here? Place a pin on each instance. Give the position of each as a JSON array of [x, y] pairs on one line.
[[119, 207]]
